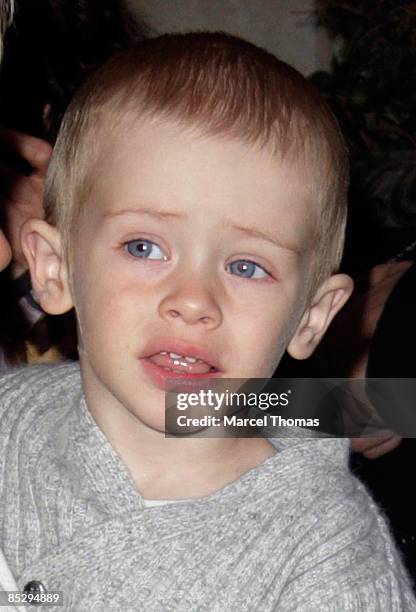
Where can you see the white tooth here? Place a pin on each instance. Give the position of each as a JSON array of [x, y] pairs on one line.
[[191, 359], [163, 352], [175, 355]]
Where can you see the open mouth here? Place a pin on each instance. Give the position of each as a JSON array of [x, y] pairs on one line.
[[164, 366], [167, 359], [174, 363]]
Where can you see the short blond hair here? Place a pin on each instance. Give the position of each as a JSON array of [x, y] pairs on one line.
[[224, 86]]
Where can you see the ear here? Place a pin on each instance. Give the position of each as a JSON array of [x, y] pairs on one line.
[[328, 300], [41, 244]]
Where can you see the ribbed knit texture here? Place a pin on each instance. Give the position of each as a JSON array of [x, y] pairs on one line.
[[297, 533]]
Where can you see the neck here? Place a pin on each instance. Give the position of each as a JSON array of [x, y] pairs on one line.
[[174, 467]]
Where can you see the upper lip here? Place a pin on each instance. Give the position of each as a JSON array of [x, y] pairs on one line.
[[181, 347]]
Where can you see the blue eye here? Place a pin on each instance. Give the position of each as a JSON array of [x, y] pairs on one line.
[[247, 269], [145, 249]]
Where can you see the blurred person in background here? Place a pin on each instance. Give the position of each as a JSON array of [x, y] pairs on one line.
[[52, 47], [6, 14], [7, 582]]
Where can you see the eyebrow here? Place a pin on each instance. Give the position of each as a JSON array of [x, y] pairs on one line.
[[158, 214], [164, 214], [256, 233]]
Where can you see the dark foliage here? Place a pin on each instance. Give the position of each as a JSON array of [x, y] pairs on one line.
[[371, 88]]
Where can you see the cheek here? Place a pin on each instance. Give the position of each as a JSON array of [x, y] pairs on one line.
[[97, 305], [265, 334], [111, 315], [273, 344], [257, 346]]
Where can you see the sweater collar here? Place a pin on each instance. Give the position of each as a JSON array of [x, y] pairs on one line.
[[112, 483]]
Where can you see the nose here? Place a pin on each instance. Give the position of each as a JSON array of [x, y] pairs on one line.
[[192, 304]]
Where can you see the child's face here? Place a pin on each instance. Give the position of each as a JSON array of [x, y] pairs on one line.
[[190, 245]]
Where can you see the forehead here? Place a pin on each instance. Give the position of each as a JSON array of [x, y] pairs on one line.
[[168, 166]]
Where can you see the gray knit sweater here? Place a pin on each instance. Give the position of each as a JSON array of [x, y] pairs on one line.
[[299, 532]]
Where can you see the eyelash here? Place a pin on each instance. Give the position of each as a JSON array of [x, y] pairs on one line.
[[246, 262], [249, 263], [149, 242]]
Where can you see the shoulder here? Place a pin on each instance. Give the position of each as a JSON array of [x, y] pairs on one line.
[[28, 391], [347, 558], [24, 377]]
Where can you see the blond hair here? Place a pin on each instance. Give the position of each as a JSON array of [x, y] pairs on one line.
[[224, 86]]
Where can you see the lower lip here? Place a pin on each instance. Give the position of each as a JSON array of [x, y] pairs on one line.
[[160, 376]]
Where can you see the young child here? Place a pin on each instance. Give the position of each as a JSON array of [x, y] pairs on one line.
[[195, 212]]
